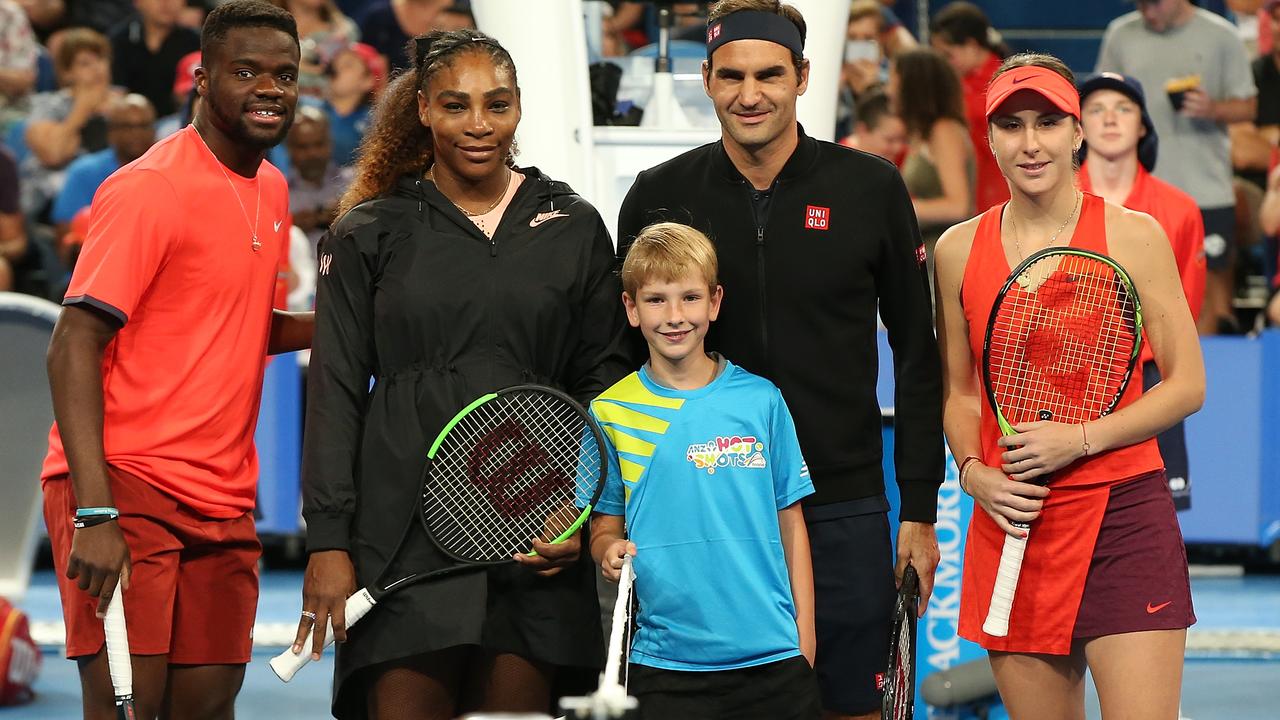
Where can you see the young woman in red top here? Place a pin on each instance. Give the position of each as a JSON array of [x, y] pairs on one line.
[[1104, 582]]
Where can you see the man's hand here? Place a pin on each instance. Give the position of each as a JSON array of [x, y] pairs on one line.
[[918, 545], [1196, 103], [99, 558], [1273, 310]]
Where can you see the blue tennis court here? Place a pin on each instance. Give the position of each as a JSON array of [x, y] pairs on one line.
[[1232, 670]]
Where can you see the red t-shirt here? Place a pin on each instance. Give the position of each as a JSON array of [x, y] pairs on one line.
[[992, 188], [1180, 217], [169, 253]]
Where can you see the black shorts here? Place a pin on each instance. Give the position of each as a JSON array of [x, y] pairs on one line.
[[853, 600], [1173, 448], [782, 690], [1219, 236]]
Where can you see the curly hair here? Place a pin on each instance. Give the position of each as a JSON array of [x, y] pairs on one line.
[[928, 90], [396, 142]]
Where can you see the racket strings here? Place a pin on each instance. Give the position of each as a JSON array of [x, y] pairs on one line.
[[517, 467], [902, 702], [1062, 346]]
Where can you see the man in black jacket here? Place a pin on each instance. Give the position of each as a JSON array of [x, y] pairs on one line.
[[812, 236]]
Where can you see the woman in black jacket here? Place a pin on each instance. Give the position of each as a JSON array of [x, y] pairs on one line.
[[451, 273]]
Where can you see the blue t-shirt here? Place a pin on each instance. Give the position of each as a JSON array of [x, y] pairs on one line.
[[700, 476], [84, 175], [346, 132]]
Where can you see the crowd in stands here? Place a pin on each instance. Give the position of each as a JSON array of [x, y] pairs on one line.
[[86, 86]]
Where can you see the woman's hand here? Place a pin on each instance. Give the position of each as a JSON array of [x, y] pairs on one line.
[[1006, 501], [552, 558], [330, 579], [1040, 448], [611, 561]]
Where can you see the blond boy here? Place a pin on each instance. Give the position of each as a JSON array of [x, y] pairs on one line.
[[704, 486]]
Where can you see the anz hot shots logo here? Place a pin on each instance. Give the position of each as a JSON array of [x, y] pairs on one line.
[[727, 451]]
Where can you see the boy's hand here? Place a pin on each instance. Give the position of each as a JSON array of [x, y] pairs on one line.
[[611, 562]]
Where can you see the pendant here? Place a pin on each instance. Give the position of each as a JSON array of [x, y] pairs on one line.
[[1024, 280], [256, 245]]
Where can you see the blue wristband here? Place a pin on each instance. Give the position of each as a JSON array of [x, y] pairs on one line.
[[92, 512]]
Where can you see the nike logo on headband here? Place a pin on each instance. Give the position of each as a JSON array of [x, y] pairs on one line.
[[1024, 77]]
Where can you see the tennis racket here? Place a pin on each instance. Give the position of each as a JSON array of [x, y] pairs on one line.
[[119, 664], [520, 463], [899, 701], [1061, 344], [610, 700]]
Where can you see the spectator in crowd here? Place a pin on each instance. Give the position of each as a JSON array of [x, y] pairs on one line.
[[316, 183], [69, 122], [878, 131], [184, 96], [623, 27], [939, 167], [894, 36], [147, 50], [1119, 152], [389, 24], [323, 30], [961, 32], [13, 234], [194, 13], [18, 53], [131, 130], [1254, 144], [864, 61], [1269, 219], [357, 75], [47, 16], [1196, 57]]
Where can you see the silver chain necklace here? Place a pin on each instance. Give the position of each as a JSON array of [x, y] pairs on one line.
[[255, 245], [506, 186]]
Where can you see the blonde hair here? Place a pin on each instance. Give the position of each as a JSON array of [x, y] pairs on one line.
[[666, 251]]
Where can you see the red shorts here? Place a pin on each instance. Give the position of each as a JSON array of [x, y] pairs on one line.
[[1138, 576], [193, 590]]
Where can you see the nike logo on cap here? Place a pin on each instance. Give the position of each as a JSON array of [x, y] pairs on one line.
[[1153, 609], [543, 217], [1024, 77]]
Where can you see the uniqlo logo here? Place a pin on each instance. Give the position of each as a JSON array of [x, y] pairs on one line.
[[880, 681], [920, 256], [713, 32], [817, 218]]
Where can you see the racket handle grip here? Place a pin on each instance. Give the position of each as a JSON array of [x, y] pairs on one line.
[[997, 623], [287, 664], [621, 608], [119, 665]]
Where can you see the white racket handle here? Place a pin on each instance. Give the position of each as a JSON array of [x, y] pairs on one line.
[[287, 664], [119, 666], [621, 611], [997, 623]]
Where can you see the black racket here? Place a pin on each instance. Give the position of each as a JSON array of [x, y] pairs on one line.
[[1062, 341], [899, 700], [520, 463]]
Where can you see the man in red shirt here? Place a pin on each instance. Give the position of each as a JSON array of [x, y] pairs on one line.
[[156, 372], [1119, 155]]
